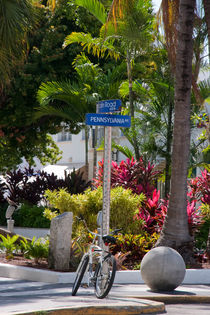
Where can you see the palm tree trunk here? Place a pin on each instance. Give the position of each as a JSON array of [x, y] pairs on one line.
[[175, 231], [135, 142], [206, 4], [168, 150]]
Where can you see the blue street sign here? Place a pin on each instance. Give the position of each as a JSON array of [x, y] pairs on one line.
[[109, 106], [108, 120]]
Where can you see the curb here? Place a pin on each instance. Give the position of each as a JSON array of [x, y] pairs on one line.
[[128, 306], [177, 299], [192, 276]]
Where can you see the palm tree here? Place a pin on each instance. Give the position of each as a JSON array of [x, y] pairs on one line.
[[154, 123], [130, 39], [175, 231], [168, 15], [71, 101]]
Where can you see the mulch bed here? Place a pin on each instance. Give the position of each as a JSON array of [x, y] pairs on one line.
[[19, 260]]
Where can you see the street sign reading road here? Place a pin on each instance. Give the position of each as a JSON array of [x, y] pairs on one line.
[[108, 106], [108, 120]]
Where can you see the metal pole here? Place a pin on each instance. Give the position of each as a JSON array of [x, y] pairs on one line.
[[106, 179]]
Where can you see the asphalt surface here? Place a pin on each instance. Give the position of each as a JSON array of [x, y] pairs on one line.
[[29, 297]]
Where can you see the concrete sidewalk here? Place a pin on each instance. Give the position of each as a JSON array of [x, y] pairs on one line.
[[29, 297], [192, 276], [26, 290]]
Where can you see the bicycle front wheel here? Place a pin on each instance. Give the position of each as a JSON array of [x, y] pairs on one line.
[[80, 273], [105, 274]]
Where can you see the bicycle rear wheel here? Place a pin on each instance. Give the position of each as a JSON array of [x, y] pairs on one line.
[[80, 273], [105, 274]]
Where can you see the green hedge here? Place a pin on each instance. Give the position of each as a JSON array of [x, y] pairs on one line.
[[31, 216], [123, 205]]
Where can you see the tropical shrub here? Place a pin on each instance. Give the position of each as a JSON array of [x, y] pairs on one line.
[[135, 175], [29, 185], [9, 245], [123, 205], [36, 249], [152, 212], [201, 236], [3, 208], [31, 216], [199, 188], [75, 183], [199, 195], [134, 246], [2, 191]]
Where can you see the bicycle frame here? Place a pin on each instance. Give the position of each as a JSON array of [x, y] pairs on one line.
[[102, 276], [96, 252]]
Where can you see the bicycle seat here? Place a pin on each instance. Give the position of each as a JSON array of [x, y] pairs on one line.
[[109, 239]]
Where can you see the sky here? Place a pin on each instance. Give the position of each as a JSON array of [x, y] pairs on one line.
[[156, 4]]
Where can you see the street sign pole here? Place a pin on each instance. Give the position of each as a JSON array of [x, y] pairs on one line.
[[106, 179], [104, 117]]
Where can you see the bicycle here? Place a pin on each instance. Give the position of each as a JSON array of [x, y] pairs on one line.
[[103, 276]]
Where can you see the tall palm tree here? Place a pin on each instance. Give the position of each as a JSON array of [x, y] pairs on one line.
[[168, 15], [175, 231]]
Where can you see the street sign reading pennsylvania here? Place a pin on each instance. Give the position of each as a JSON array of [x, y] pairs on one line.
[[108, 120], [109, 106]]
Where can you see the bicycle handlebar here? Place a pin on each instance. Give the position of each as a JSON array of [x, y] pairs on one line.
[[115, 232]]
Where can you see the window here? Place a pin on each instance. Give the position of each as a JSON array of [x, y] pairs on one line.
[[64, 136]]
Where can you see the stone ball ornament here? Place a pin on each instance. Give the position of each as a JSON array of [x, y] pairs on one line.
[[163, 269]]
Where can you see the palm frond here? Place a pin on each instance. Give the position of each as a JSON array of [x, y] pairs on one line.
[[137, 88], [95, 7], [97, 46], [62, 91], [123, 149], [204, 87], [15, 17], [66, 112]]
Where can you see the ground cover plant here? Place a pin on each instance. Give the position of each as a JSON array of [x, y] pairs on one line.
[[14, 246]]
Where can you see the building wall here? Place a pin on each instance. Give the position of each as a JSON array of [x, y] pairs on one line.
[[73, 151]]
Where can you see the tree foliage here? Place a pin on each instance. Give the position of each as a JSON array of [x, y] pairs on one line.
[[20, 135]]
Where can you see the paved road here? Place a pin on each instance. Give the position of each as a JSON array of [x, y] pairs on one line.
[[19, 296]]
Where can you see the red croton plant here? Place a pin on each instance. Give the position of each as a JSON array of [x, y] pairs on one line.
[[130, 174], [141, 177]]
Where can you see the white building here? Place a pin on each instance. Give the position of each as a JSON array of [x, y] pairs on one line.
[[73, 148]]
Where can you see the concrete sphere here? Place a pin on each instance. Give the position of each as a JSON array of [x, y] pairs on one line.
[[163, 269]]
